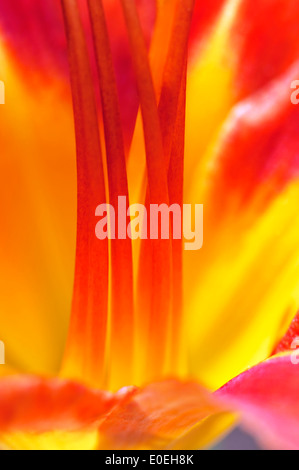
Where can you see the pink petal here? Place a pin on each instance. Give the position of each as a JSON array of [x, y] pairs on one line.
[[267, 398]]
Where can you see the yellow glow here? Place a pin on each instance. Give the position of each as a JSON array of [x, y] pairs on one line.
[[84, 440], [245, 285], [38, 210]]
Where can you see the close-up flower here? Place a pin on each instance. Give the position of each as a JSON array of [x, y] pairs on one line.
[[149, 188]]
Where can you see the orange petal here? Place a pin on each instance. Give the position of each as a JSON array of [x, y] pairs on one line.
[[37, 167], [158, 415], [33, 404], [267, 398]]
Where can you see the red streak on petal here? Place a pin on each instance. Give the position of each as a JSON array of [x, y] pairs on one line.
[[265, 37], [122, 320], [259, 149], [205, 14], [292, 334], [87, 337]]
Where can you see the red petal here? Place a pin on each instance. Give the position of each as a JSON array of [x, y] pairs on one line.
[[158, 414], [34, 32], [267, 397], [265, 40], [40, 405]]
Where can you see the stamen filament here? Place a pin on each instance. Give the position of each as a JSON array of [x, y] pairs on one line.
[[172, 118], [174, 73], [158, 192], [85, 352], [172, 106], [176, 188], [122, 304]]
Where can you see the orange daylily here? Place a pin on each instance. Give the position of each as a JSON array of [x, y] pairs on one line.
[[172, 101]]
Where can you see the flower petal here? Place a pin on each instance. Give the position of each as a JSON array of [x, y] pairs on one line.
[[250, 253], [39, 405], [248, 47], [264, 38], [267, 398], [159, 415], [37, 170], [205, 14], [33, 32], [258, 150]]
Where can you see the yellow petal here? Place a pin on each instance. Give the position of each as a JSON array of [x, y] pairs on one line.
[[38, 203]]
